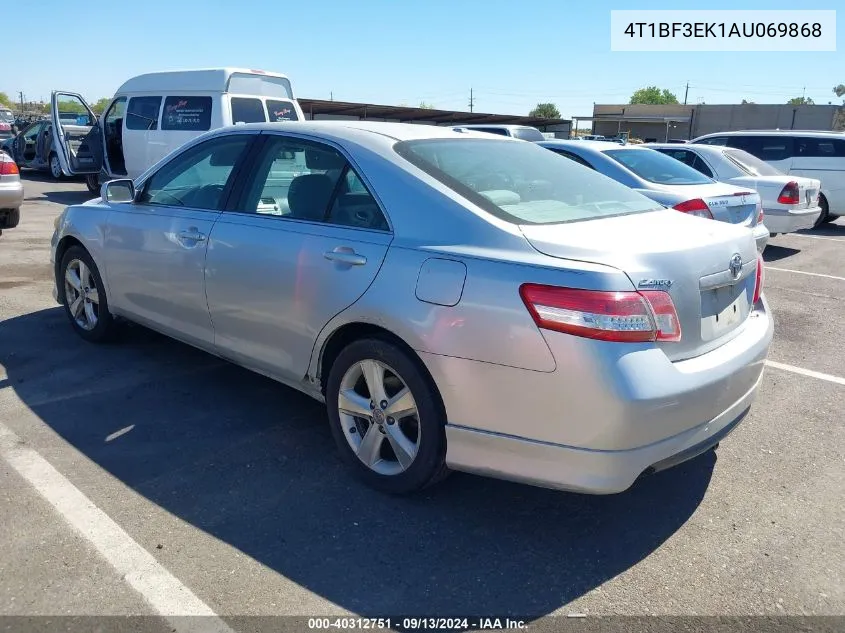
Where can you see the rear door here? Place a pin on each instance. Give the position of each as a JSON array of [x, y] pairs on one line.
[[77, 137]]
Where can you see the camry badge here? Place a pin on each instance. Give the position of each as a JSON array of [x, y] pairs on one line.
[[736, 265], [664, 284]]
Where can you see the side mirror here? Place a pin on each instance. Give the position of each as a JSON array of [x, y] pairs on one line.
[[118, 191]]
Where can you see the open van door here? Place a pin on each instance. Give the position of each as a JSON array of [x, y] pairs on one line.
[[77, 136]]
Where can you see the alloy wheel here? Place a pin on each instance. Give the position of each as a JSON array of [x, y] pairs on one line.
[[379, 417], [55, 167], [81, 295]]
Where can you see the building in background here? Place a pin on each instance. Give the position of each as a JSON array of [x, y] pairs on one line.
[[319, 109], [683, 122]]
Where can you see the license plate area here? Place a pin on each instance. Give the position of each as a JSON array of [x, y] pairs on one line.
[[722, 310]]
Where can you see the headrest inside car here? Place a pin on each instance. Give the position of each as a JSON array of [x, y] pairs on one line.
[[321, 160], [226, 155]]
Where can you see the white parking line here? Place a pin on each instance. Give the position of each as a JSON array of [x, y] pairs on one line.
[[806, 372], [819, 237], [801, 272], [163, 591]]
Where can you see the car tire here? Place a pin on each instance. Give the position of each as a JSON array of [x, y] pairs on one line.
[[90, 318], [92, 181], [366, 442], [10, 219], [824, 216], [55, 166]]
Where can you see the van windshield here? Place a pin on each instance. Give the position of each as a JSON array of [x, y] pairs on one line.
[[522, 183]]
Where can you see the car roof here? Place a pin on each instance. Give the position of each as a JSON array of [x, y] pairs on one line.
[[593, 146], [712, 149], [492, 125], [775, 133]]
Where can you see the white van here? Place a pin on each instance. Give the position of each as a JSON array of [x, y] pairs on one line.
[[813, 154], [153, 114]]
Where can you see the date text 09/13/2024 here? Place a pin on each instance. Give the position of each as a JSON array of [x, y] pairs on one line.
[[416, 624]]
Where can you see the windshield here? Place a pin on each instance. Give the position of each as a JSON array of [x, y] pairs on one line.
[[6, 116], [522, 183], [751, 164], [658, 168]]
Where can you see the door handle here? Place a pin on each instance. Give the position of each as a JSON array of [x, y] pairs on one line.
[[192, 234], [345, 255]]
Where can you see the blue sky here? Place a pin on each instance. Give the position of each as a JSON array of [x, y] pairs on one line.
[[512, 54]]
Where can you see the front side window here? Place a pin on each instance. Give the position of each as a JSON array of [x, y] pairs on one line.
[[73, 110], [247, 110], [197, 177], [657, 168], [116, 112], [304, 180], [281, 111], [142, 113], [189, 114], [522, 183]]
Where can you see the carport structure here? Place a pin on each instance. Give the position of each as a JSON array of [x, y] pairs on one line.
[[634, 119], [318, 109]]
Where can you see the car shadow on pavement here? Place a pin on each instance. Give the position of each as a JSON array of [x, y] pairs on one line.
[[252, 463], [829, 229], [70, 196], [774, 252]]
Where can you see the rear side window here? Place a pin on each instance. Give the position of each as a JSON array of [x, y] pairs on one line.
[[142, 113], [820, 147], [575, 157], [280, 111], [768, 148], [246, 110], [187, 114]]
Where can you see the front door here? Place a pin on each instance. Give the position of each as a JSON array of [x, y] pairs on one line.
[[77, 137], [304, 240], [27, 144], [156, 246], [113, 138]]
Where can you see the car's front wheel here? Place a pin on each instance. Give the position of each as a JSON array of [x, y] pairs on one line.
[[386, 417], [82, 293], [92, 181], [55, 167]]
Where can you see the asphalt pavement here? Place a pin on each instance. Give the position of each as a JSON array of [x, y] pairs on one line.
[[148, 478]]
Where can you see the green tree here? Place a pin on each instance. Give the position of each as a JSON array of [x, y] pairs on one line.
[[5, 100], [426, 106], [746, 102], [100, 106], [800, 101], [545, 111], [839, 91], [653, 95]]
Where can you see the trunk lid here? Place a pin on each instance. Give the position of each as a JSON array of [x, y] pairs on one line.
[[770, 187], [694, 254], [727, 203]]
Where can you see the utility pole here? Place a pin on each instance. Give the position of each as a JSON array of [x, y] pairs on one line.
[[803, 92], [471, 100], [21, 96], [686, 94], [331, 96]]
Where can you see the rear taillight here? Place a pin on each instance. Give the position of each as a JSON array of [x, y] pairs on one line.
[[607, 316], [8, 167], [760, 212], [759, 279], [790, 194], [696, 207]]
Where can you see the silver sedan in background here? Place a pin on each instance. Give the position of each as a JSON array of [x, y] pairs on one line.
[[670, 183], [457, 300], [11, 193], [790, 203]]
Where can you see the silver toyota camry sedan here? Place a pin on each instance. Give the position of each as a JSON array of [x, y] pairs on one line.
[[459, 301]]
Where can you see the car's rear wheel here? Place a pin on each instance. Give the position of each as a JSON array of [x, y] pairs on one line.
[[81, 291], [92, 181], [386, 417], [824, 216], [55, 167]]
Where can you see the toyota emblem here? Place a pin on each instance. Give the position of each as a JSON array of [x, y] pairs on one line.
[[736, 265]]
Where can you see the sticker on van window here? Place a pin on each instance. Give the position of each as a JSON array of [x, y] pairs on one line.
[[281, 111], [187, 113]]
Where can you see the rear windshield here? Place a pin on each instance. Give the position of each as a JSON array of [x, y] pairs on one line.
[[658, 168], [529, 134], [751, 164], [522, 183]]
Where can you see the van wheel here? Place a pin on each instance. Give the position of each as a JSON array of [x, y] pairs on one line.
[[92, 181], [55, 167]]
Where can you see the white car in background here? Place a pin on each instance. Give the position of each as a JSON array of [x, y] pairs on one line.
[[790, 203]]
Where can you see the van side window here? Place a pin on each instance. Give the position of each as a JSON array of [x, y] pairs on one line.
[[187, 114], [819, 147], [246, 110], [766, 148], [142, 113], [716, 140], [281, 111]]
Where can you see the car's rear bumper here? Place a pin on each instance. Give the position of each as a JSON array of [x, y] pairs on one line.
[[11, 194], [785, 221], [605, 415], [762, 232]]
